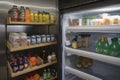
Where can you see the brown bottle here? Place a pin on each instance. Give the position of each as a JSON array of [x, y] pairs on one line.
[[14, 13], [22, 14]]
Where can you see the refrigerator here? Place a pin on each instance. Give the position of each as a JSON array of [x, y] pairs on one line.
[[78, 22]]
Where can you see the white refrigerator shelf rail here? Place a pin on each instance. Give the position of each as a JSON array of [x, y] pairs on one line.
[[109, 29], [96, 56]]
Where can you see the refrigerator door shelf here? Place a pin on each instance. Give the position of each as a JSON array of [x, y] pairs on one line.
[[96, 56], [81, 74], [107, 29]]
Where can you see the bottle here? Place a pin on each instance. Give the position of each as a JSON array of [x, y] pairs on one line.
[[43, 16], [53, 72], [45, 75], [25, 59], [40, 17], [49, 58], [36, 17], [27, 15], [114, 47], [20, 63], [74, 43], [52, 18], [53, 56], [48, 74], [14, 15], [15, 65], [47, 17], [44, 57], [22, 14], [99, 45], [32, 17], [106, 46]]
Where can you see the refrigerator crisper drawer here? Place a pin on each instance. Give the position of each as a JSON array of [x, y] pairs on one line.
[[98, 69], [81, 74]]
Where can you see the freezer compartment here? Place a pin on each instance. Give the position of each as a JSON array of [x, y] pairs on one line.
[[98, 69]]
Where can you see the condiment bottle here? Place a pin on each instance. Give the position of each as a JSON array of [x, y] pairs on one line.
[[22, 14], [40, 16], [49, 58], [44, 17], [48, 74], [27, 15], [14, 11], [52, 18]]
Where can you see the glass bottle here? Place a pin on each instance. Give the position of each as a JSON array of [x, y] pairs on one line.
[[45, 75], [74, 43], [99, 45], [114, 47], [22, 14], [48, 74], [14, 16], [106, 46], [45, 60]]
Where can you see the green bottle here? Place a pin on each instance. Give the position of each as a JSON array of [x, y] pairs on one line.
[[99, 45], [114, 47], [106, 46]]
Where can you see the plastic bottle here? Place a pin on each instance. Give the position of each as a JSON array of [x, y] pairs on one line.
[[40, 17], [22, 14], [32, 17], [99, 45], [114, 47], [106, 46], [44, 17], [14, 15], [20, 63], [36, 17], [27, 15], [15, 65]]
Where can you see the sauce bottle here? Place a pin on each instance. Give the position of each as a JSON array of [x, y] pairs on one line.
[[20, 63], [15, 65], [14, 15], [27, 15], [36, 17], [52, 18], [74, 43], [22, 14], [45, 75], [43, 17]]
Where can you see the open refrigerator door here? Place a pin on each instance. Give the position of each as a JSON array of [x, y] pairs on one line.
[[91, 44]]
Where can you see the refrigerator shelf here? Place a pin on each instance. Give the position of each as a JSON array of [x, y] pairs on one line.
[[29, 69], [93, 55], [81, 74], [12, 49], [106, 29], [9, 22]]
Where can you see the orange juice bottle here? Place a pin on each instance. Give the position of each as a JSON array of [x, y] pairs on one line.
[[27, 15]]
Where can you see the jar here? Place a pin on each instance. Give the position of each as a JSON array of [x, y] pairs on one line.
[[52, 37], [33, 40], [38, 39], [74, 43], [28, 40], [43, 38], [48, 38], [53, 56], [23, 39], [15, 40], [49, 58]]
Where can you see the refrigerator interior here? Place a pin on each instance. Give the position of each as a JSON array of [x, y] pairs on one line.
[[100, 69]]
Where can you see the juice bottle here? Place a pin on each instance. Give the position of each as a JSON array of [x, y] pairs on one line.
[[27, 15], [106, 46], [32, 17], [36, 17], [99, 45], [114, 47], [40, 16]]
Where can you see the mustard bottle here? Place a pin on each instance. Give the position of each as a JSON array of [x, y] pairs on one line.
[[43, 17], [52, 18]]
